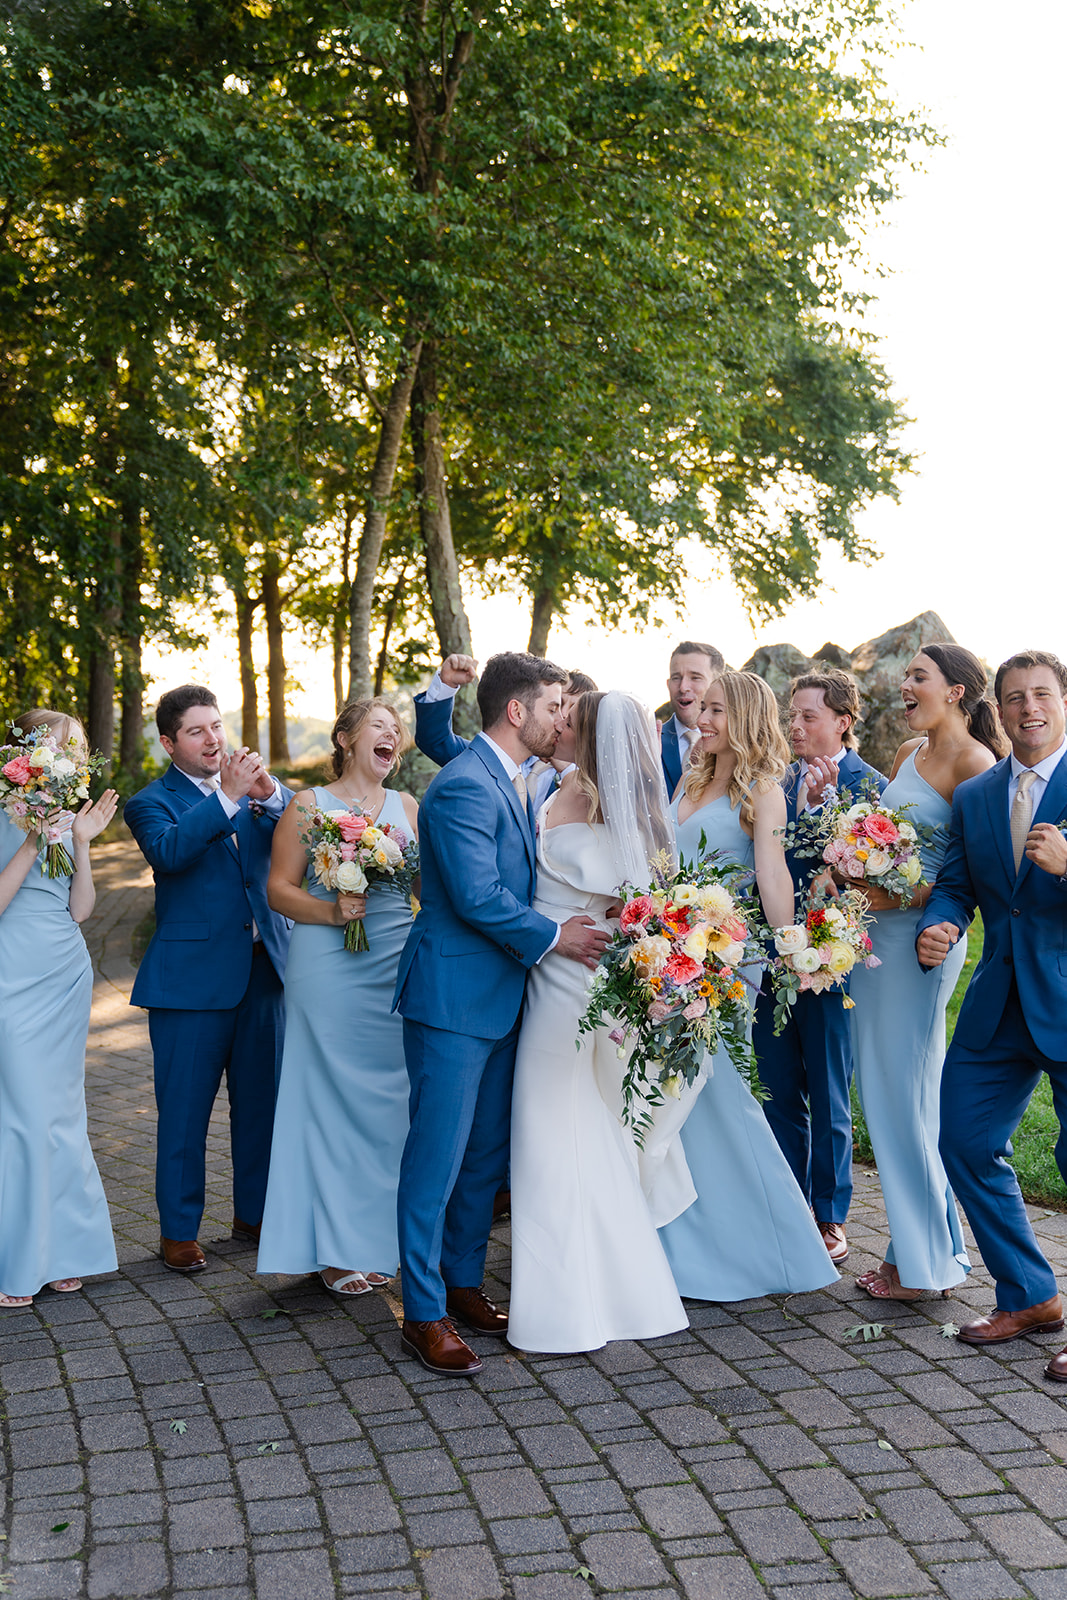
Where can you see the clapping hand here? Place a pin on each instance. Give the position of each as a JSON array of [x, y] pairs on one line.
[[93, 817], [820, 776], [242, 772]]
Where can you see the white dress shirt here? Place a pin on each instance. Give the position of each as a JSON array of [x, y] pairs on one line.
[[1042, 773], [273, 803], [513, 769]]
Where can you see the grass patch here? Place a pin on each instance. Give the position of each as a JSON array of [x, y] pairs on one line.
[[1036, 1135]]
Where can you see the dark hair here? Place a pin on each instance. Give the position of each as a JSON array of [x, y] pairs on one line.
[[688, 647], [513, 675], [176, 702], [841, 693], [1032, 658], [352, 717], [579, 683], [958, 665], [42, 717]]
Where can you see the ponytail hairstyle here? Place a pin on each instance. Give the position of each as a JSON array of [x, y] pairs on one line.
[[754, 730], [352, 718], [957, 665]]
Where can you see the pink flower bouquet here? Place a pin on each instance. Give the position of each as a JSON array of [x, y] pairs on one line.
[[39, 777], [348, 852]]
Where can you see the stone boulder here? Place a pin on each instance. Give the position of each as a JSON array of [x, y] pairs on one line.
[[777, 664], [879, 667]]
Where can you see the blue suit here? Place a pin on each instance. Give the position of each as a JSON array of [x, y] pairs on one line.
[[673, 748], [460, 989], [214, 999], [1011, 1023], [433, 729], [807, 1068]]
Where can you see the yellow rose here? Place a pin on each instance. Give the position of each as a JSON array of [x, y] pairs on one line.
[[912, 870], [842, 957], [697, 944]]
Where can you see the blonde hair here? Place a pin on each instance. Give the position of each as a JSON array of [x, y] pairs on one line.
[[583, 720], [59, 723], [352, 718], [756, 739]]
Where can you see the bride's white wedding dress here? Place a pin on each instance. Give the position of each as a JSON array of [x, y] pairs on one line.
[[587, 1265]]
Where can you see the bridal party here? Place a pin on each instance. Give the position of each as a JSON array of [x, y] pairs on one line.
[[616, 976]]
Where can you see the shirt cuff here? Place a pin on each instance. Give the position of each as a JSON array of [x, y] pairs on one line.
[[551, 947], [275, 804], [437, 689], [230, 807]]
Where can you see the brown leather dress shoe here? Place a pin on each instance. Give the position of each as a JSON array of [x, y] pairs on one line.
[[1000, 1326], [833, 1237], [245, 1232], [475, 1310], [501, 1205], [439, 1347], [182, 1255], [1057, 1368]]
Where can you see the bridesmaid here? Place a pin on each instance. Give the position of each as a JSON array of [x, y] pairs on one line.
[[55, 1225], [898, 1025], [342, 1113], [750, 1231]]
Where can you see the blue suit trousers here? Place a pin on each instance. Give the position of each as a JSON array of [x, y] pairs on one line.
[[193, 1050], [984, 1094], [454, 1161]]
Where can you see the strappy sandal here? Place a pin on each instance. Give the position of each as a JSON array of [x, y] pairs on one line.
[[885, 1284], [339, 1286], [17, 1302], [66, 1285]]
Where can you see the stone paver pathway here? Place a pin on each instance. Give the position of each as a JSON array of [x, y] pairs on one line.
[[230, 1437]]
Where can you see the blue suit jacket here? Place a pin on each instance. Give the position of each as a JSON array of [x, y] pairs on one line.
[[433, 730], [671, 753], [851, 775], [207, 893], [464, 965], [1025, 913]]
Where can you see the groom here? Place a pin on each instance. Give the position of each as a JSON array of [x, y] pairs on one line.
[[460, 989], [1007, 855]]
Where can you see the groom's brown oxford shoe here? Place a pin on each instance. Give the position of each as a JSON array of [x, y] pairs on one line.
[[1000, 1326], [245, 1232], [182, 1255], [475, 1310], [440, 1349]]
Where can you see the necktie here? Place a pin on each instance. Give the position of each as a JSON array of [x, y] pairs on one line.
[[518, 783], [1022, 812]]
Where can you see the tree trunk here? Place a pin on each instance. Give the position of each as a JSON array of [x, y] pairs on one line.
[[272, 610], [435, 525], [368, 554], [387, 628], [246, 606], [541, 615], [131, 732], [100, 721], [339, 629]]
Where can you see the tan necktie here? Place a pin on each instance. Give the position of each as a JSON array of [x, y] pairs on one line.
[[1022, 813], [518, 783]]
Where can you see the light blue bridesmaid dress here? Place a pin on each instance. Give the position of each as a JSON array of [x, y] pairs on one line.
[[750, 1231], [342, 1112], [54, 1220], [898, 1042]]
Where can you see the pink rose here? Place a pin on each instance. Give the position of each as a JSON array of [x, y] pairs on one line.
[[658, 1011], [852, 868], [348, 852], [398, 835], [635, 913], [19, 808], [881, 829], [352, 826], [805, 981], [695, 1008], [835, 851], [681, 968], [18, 771]]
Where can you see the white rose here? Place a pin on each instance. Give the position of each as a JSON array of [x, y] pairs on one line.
[[906, 831], [807, 960], [854, 813], [391, 851], [732, 954], [42, 758], [351, 879], [878, 861], [63, 767], [787, 941], [834, 916], [332, 816]]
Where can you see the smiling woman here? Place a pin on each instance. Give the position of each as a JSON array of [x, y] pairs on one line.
[[342, 1112]]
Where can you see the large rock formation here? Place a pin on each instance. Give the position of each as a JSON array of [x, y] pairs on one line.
[[878, 666]]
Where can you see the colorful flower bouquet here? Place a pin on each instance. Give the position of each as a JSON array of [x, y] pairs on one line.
[[864, 842], [820, 952], [39, 776], [669, 982], [348, 853]]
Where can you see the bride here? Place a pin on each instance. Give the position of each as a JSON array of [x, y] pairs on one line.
[[587, 1263]]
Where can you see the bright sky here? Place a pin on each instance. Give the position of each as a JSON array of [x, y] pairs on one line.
[[974, 326]]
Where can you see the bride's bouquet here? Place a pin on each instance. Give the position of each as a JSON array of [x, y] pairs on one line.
[[820, 952], [864, 842], [39, 776], [348, 853], [669, 982]]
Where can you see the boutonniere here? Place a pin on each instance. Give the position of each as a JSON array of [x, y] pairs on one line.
[[257, 808]]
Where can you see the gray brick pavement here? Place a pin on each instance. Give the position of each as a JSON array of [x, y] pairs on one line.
[[759, 1454]]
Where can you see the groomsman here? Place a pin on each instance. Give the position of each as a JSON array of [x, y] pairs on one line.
[[807, 1068], [693, 669], [1007, 855], [211, 977]]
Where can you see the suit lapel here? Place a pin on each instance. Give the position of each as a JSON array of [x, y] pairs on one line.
[[1052, 807], [188, 793], [996, 799], [521, 813], [790, 784]]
